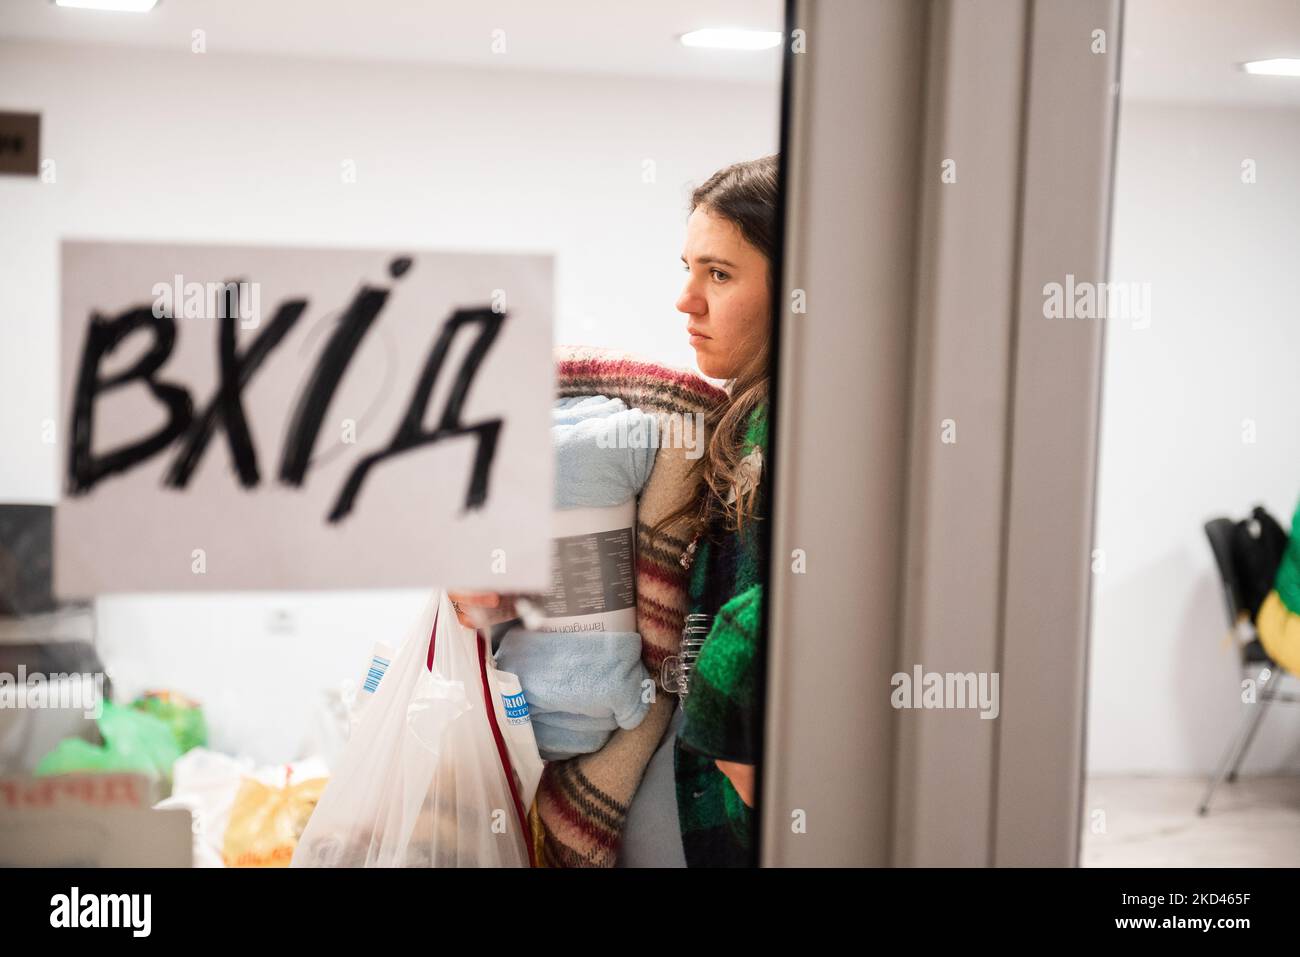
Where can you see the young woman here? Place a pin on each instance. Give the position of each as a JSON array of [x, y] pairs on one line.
[[706, 767], [729, 254]]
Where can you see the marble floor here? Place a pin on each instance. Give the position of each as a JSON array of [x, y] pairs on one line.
[[1134, 821]]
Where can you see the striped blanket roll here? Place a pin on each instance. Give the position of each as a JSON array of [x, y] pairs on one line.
[[582, 803]]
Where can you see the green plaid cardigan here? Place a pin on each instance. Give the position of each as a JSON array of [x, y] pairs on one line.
[[722, 711]]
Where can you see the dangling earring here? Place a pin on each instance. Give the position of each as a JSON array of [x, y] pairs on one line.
[[688, 556]]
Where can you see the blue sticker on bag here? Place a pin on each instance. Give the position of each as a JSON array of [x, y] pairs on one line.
[[516, 707], [378, 666]]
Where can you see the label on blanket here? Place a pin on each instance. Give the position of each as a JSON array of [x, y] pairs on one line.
[[593, 583]]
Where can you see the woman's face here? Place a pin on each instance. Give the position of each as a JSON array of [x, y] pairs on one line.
[[726, 298]]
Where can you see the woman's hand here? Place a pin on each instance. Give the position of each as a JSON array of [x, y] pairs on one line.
[[741, 777], [475, 608]]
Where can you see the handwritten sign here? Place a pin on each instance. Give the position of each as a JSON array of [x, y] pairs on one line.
[[262, 418]]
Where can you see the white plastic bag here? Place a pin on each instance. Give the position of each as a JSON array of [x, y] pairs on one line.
[[207, 784], [441, 768]]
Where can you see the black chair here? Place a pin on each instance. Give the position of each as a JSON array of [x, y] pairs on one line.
[[1253, 659]]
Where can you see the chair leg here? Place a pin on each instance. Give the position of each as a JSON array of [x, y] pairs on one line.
[[1267, 692], [1237, 748]]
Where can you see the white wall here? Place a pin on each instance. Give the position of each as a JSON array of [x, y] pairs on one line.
[[161, 146], [1223, 346]]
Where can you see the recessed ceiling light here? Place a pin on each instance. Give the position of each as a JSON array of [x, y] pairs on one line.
[[725, 38], [1280, 66], [124, 6]]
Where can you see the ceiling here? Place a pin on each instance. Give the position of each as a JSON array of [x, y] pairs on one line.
[[1188, 50], [1180, 50], [573, 36]]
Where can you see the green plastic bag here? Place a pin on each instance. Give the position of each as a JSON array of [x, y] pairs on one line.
[[134, 742], [183, 716]]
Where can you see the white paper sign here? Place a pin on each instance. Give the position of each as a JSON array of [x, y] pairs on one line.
[[262, 418]]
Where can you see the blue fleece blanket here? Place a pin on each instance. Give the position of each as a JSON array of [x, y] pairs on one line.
[[597, 458], [581, 687]]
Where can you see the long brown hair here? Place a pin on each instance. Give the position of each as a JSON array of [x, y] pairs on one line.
[[746, 195]]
